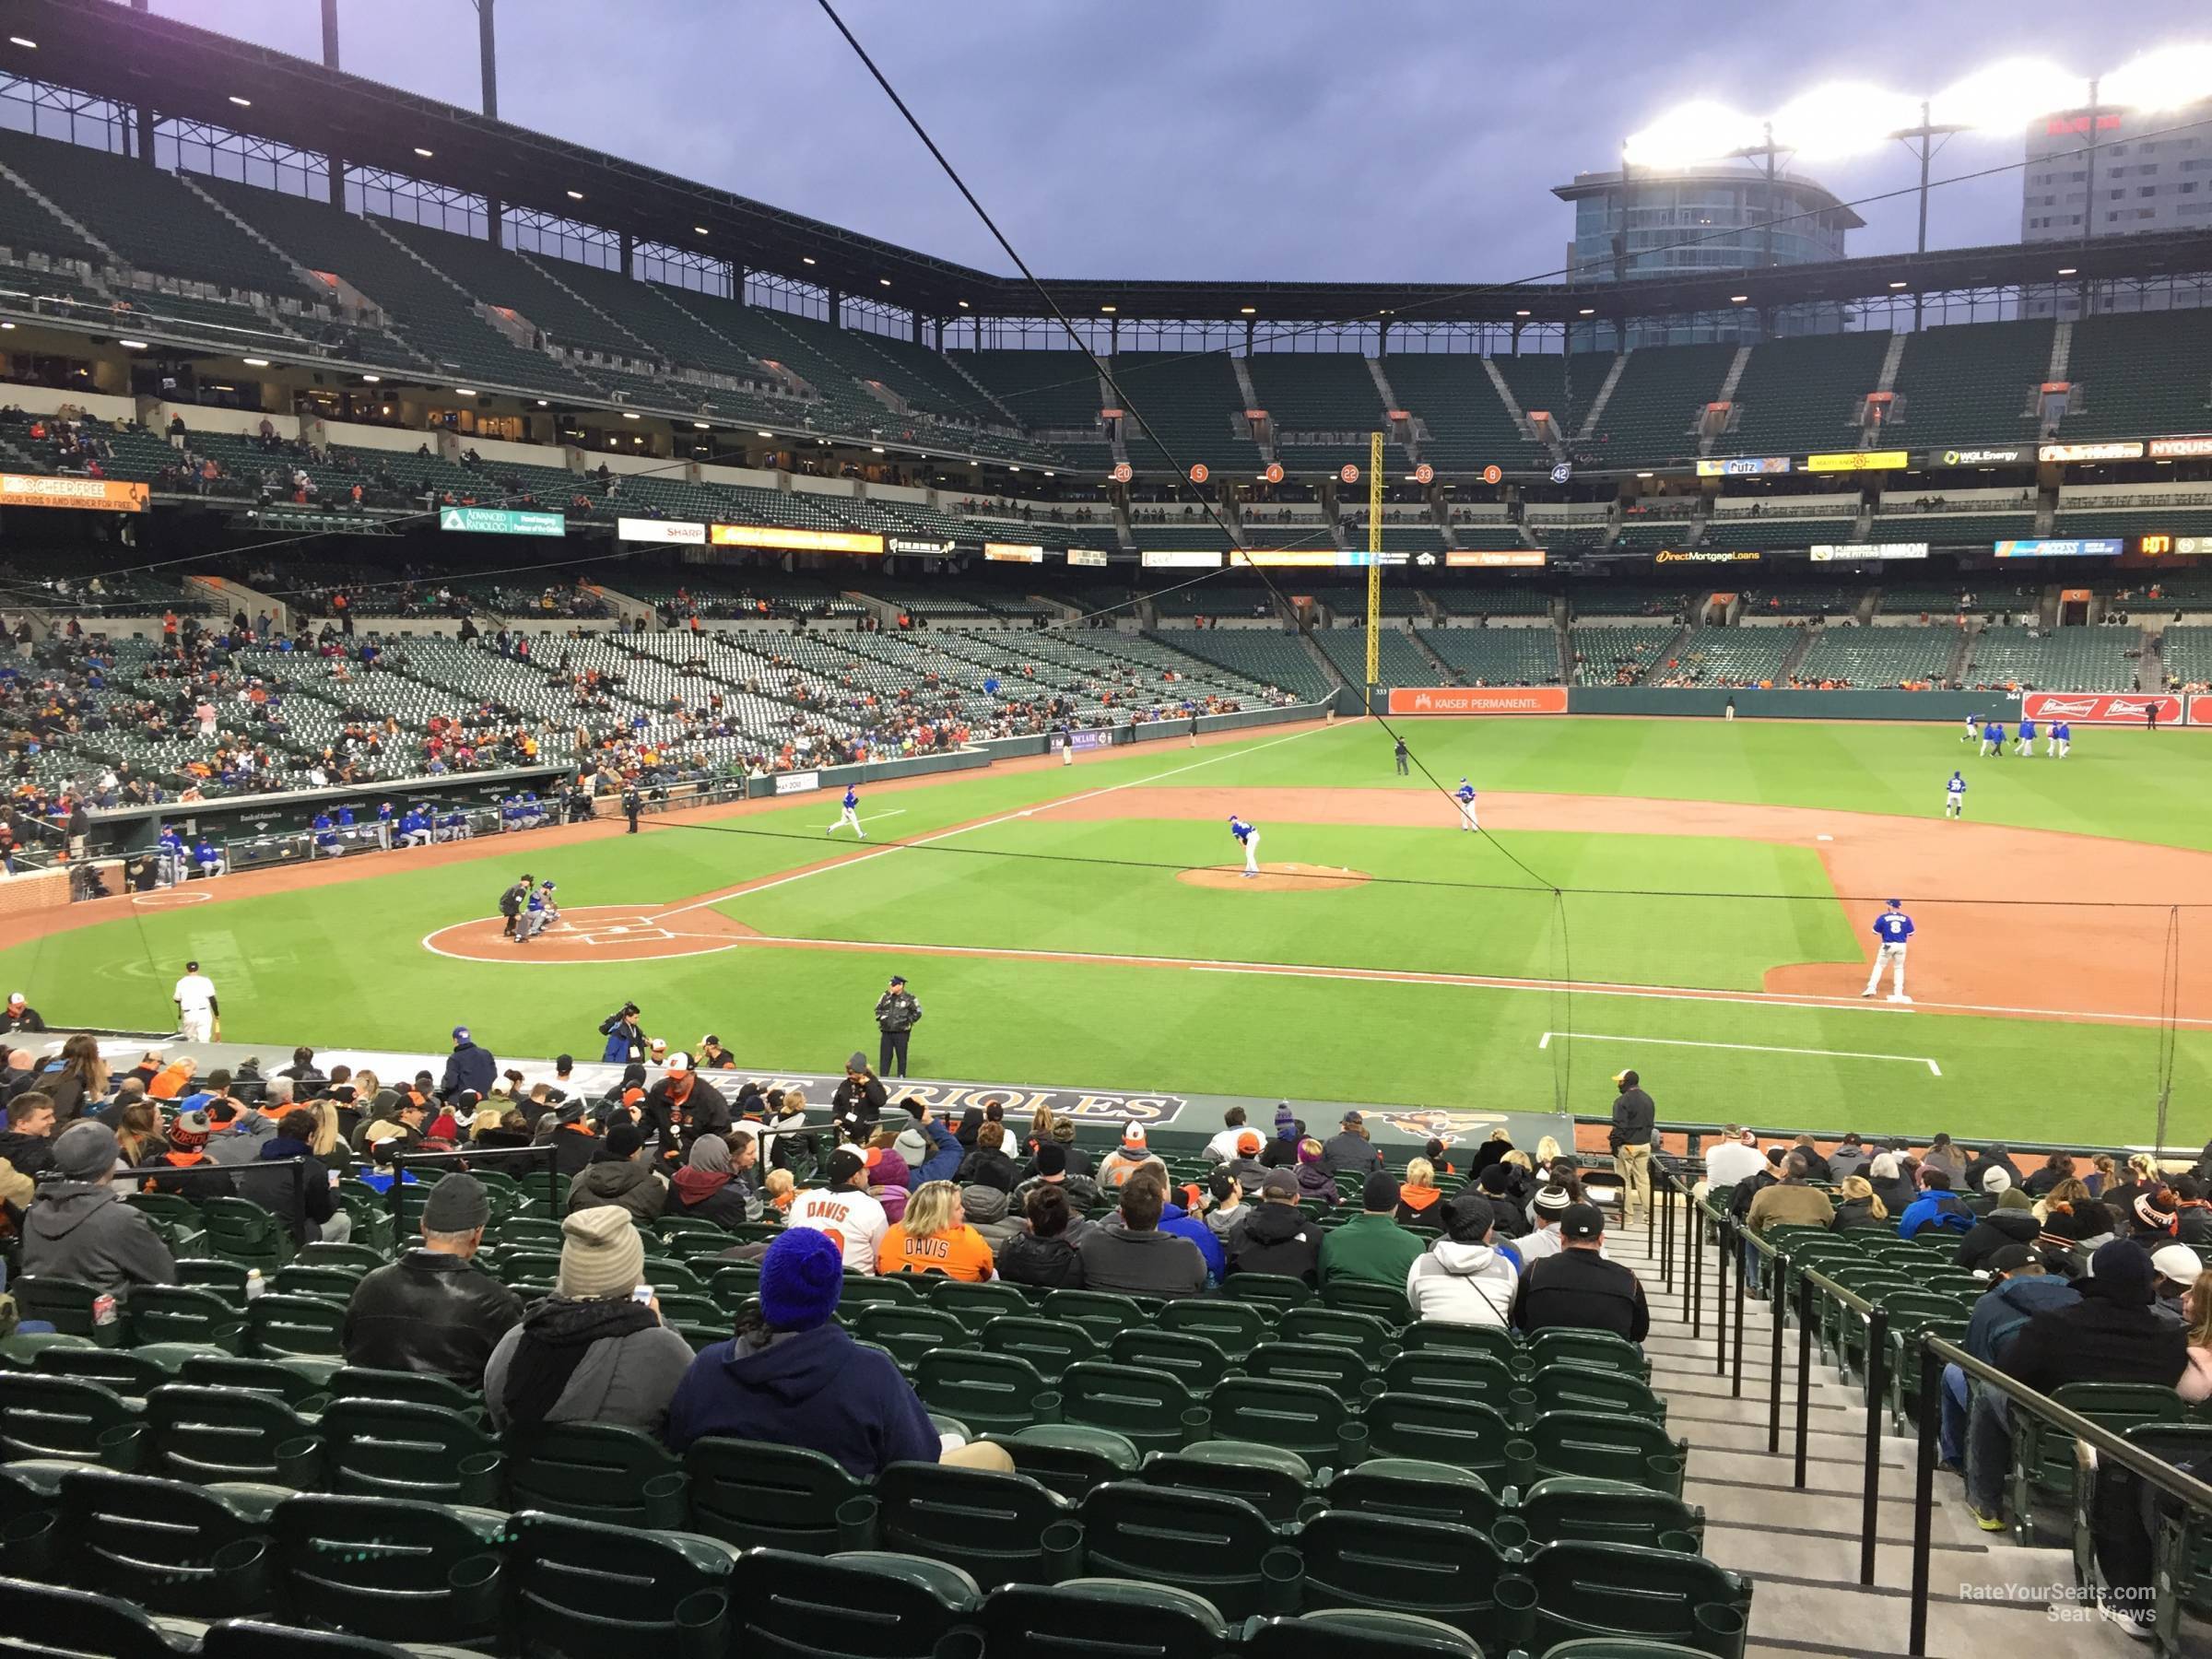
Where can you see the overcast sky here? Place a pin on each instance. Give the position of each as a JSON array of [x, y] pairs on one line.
[[1413, 139]]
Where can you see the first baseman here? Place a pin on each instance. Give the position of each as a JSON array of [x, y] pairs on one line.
[[850, 815], [1894, 929], [1248, 837], [1464, 795]]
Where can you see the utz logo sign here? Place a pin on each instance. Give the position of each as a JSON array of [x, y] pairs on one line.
[[2101, 708]]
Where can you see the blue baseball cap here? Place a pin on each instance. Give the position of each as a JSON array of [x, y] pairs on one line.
[[1897, 904], [460, 1033]]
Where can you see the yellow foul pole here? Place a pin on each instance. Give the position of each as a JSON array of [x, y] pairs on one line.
[[1374, 562]]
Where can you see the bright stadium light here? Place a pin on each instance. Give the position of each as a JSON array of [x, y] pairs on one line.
[[1844, 118], [1698, 131], [2165, 78], [2008, 94]]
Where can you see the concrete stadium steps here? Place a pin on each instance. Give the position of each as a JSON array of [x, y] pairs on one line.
[[1801, 1548]]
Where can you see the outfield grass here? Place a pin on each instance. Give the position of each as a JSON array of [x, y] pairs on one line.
[[345, 964]]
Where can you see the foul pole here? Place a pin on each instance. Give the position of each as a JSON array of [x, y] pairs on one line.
[[1374, 562]]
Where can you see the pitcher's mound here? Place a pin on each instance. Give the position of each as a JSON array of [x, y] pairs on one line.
[[1279, 878]]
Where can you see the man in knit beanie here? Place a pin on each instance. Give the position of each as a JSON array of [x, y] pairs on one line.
[[591, 1352], [793, 1377]]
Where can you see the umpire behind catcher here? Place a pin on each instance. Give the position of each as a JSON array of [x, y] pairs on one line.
[[897, 1014], [511, 903]]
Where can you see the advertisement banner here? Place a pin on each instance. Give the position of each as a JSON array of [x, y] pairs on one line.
[[2200, 710], [1516, 558], [917, 546], [2130, 450], [1179, 558], [796, 541], [100, 495], [1854, 552], [2180, 449], [1090, 558], [1079, 741], [797, 783], [1707, 556], [1994, 454], [2062, 547], [1859, 461], [1478, 699], [1010, 553], [2100, 708], [500, 521], [1738, 466], [660, 529]]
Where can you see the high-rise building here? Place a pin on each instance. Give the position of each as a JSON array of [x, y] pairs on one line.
[[2130, 183]]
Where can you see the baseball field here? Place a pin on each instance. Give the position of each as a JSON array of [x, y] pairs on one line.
[[1692, 898]]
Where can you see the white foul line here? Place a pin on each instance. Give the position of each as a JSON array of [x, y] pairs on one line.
[[871, 818], [1749, 1048], [1089, 794]]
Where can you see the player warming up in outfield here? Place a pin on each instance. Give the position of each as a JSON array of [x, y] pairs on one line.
[[1974, 729], [1248, 837], [2025, 743], [1993, 738], [1894, 929], [2061, 739], [1954, 797], [850, 815], [1464, 795]]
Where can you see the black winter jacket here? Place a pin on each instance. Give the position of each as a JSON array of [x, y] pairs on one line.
[[1277, 1238], [430, 1312]]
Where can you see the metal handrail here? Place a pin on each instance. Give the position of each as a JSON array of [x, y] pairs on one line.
[[1811, 1280], [1936, 1352]]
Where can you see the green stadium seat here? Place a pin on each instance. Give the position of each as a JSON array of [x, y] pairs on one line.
[[1273, 1481], [330, 1282], [1357, 1633], [205, 1435], [1385, 1563], [21, 1350], [975, 1305], [62, 1417], [1207, 1543], [322, 1253], [1156, 1413], [164, 1313], [595, 1472], [1382, 1302], [1589, 1348], [2043, 1459], [1566, 1507], [1070, 1458], [1573, 1386], [1418, 1490], [211, 1273], [404, 1449], [1267, 1289], [1586, 1589], [277, 1325], [1342, 1369], [67, 1305], [1463, 1433], [242, 1231], [990, 1393], [862, 1604], [587, 1590], [1427, 1336], [257, 1638], [366, 1382], [756, 1496], [907, 1333], [1608, 1448], [1100, 1313], [1305, 1417], [994, 1527], [1364, 1334], [129, 1371], [304, 1385], [104, 1625], [1197, 1362], [1460, 1373], [392, 1569], [1102, 1618], [171, 1547], [1234, 1327], [1048, 1345]]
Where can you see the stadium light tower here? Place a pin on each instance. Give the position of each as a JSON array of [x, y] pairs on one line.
[[330, 34], [487, 57]]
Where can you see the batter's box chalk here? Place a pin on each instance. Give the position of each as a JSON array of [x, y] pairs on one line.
[[625, 936]]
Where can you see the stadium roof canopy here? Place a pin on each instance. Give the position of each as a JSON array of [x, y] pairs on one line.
[[136, 58]]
